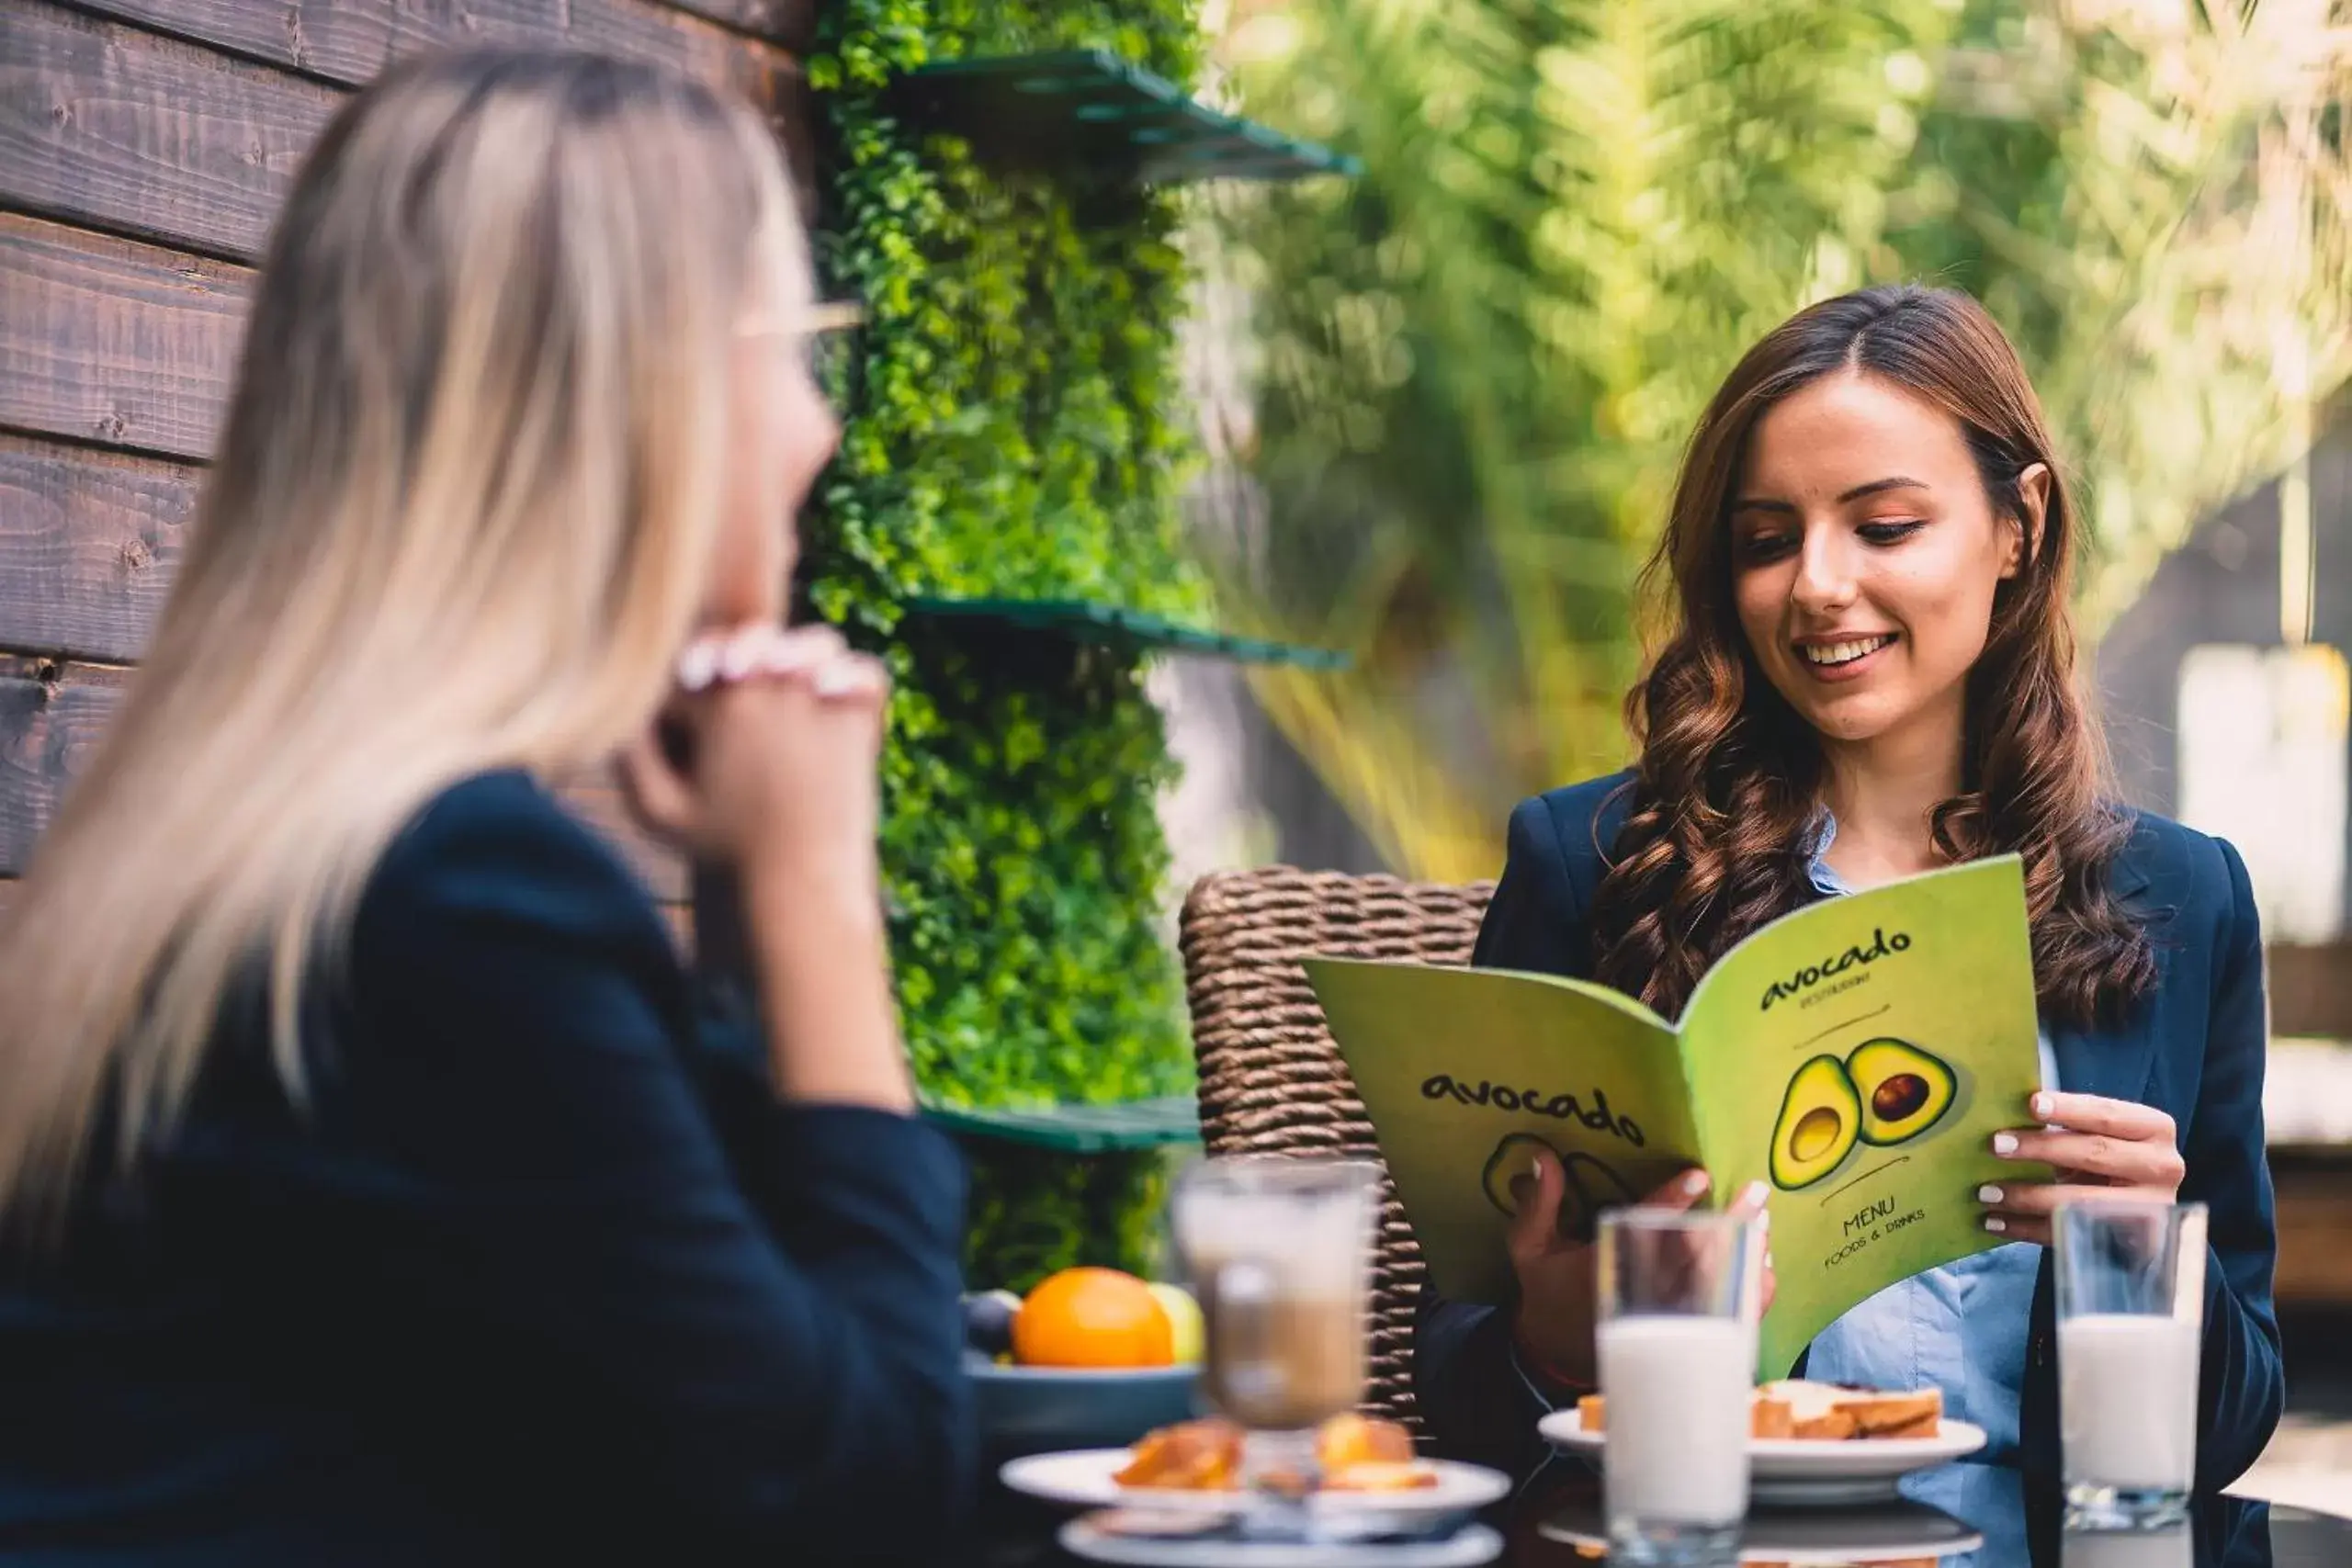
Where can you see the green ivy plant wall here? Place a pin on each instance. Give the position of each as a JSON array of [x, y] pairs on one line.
[[1012, 428]]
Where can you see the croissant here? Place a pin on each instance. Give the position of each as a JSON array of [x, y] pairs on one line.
[[1355, 1453]]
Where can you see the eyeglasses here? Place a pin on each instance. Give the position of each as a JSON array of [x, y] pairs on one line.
[[824, 316], [832, 316], [820, 329]]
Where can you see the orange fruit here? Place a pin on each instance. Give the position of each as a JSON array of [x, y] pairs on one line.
[[1093, 1317]]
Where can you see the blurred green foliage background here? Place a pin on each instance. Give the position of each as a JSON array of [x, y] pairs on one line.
[[1013, 427], [1466, 378], [1479, 363]]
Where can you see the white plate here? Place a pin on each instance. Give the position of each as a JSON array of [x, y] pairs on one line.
[[1809, 1470], [1897, 1532], [1465, 1548], [1081, 1478]]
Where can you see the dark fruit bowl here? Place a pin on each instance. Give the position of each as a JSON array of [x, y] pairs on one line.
[[1028, 1410]]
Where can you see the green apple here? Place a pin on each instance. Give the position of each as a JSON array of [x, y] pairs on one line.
[[1184, 1319]]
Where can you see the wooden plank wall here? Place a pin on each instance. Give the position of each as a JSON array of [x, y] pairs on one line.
[[144, 148]]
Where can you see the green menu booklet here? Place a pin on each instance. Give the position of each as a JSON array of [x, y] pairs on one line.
[[1856, 1055]]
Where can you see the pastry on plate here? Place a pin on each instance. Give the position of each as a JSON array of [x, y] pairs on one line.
[[1355, 1453], [1190, 1456], [1347, 1441]]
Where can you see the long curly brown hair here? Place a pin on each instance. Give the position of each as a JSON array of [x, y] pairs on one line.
[[1726, 792]]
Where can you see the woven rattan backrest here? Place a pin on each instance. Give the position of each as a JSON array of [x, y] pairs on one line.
[[1270, 1080]]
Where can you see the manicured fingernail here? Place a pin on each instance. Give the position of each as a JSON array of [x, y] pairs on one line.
[[2005, 1143], [1535, 1169], [1695, 1182], [1768, 1261], [1988, 1194], [740, 658], [1754, 1193], [2042, 1105], [1996, 1225]]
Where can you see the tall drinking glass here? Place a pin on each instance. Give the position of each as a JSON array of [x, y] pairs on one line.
[[1279, 1252], [2172, 1548], [2130, 1321], [1677, 1347]]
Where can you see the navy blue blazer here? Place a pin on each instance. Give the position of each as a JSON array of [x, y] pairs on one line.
[[2194, 1048], [539, 1270]]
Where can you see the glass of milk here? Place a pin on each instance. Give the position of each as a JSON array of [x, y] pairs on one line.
[[2174, 1548], [2131, 1322], [1677, 1347]]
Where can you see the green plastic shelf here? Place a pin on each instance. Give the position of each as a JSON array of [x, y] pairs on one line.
[[1109, 625], [1088, 111], [1081, 1129]]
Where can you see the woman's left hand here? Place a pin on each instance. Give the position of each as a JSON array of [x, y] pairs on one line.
[[2099, 1148]]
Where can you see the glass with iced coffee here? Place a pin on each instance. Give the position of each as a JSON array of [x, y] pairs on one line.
[[1279, 1252]]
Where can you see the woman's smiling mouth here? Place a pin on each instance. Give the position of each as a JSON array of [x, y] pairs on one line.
[[1836, 657]]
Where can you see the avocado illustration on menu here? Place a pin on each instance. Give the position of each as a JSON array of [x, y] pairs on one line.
[[1856, 1056], [1821, 1121], [1886, 1093]]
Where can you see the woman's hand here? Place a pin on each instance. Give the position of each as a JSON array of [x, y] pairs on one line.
[[766, 757], [1559, 1277], [2099, 1148], [766, 761]]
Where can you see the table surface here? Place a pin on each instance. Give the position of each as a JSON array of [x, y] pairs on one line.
[[2021, 1522]]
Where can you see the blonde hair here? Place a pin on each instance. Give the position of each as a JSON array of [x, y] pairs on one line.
[[462, 517]]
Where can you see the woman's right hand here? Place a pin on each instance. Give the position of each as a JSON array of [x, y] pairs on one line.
[[767, 762], [766, 757], [1559, 1276]]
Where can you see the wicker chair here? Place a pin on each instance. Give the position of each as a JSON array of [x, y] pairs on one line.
[[1270, 1080]]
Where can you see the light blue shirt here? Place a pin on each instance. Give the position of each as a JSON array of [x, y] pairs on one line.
[[1962, 1328]]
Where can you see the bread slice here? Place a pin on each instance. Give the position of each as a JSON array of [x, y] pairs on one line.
[[1815, 1409], [1820, 1412], [1904, 1416], [1768, 1417], [1834, 1413]]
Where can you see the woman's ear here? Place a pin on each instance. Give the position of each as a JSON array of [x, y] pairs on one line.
[[2033, 504]]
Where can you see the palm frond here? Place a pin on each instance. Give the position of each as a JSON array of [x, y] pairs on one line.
[[1480, 360]]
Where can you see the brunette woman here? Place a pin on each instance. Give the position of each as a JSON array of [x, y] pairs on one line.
[[1870, 673]]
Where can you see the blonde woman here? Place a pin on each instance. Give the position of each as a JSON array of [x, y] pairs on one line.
[[374, 1188]]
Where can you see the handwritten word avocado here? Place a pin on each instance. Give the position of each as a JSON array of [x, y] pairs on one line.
[[1904, 1089], [1592, 1184], [1820, 1118]]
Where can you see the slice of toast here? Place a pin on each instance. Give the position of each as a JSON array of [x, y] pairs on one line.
[[1835, 1413], [1815, 1410], [1919, 1414], [1767, 1416], [1820, 1412]]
